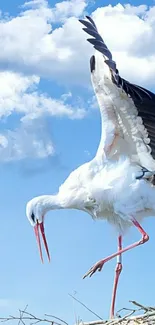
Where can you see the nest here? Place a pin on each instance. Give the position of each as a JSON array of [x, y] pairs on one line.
[[138, 315], [144, 315]]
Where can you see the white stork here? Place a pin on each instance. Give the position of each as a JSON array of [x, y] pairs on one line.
[[118, 183]]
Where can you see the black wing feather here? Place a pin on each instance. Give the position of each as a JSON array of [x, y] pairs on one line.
[[92, 21], [88, 24], [92, 33]]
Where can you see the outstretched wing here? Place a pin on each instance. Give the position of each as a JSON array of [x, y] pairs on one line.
[[134, 106]]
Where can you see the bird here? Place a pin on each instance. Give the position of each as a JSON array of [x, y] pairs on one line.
[[118, 184]]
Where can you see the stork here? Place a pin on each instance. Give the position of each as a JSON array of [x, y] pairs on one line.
[[117, 185]]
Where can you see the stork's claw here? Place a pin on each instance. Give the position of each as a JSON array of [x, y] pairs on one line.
[[96, 267]]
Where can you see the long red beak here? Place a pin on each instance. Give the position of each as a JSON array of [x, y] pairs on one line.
[[36, 230]]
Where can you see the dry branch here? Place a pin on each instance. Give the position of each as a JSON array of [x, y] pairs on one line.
[[82, 304], [25, 317]]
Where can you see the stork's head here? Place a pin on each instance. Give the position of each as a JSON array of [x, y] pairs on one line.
[[35, 211]]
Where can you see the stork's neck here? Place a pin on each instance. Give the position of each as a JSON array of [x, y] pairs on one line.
[[50, 202]]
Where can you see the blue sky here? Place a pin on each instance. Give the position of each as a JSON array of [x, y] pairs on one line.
[[45, 85]]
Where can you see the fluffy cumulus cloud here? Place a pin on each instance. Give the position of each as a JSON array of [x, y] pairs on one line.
[[31, 44], [29, 140], [48, 42], [19, 96], [66, 9]]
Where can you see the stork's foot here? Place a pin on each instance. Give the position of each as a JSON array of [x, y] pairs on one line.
[[96, 267]]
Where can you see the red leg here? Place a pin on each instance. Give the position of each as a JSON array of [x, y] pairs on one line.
[[117, 274], [98, 266]]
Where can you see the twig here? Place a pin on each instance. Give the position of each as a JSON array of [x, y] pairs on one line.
[[96, 322], [61, 320], [74, 311], [123, 318], [128, 309], [26, 316], [141, 306], [21, 315], [81, 303]]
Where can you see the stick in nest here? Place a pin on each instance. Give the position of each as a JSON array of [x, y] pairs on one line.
[[25, 316]]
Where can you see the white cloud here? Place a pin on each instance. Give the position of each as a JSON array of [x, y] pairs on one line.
[[59, 13], [26, 46], [65, 9], [27, 141], [92, 102], [19, 95], [32, 44], [66, 96], [87, 152]]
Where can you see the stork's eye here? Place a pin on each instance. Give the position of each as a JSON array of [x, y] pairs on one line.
[[33, 217]]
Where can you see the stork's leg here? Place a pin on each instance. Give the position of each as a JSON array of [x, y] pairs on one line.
[[98, 266], [117, 274]]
